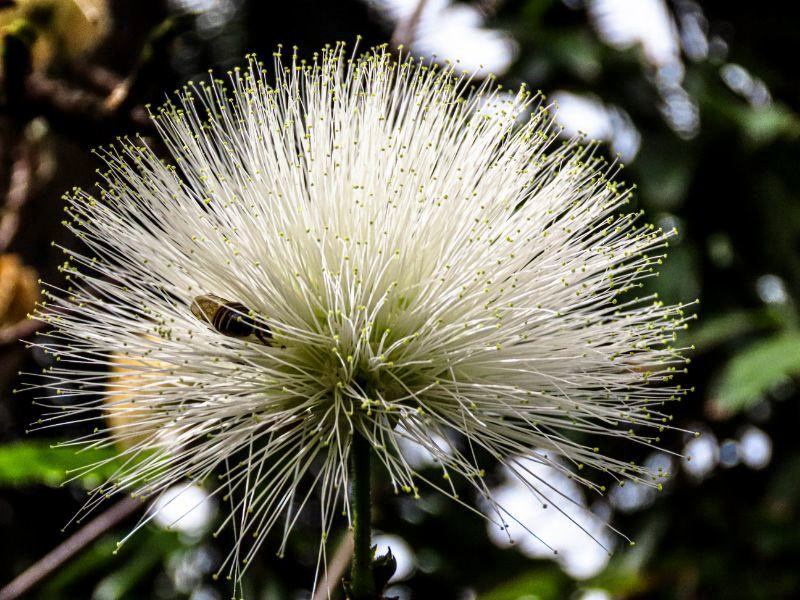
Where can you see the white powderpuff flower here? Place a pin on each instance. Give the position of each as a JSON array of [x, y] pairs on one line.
[[354, 244]]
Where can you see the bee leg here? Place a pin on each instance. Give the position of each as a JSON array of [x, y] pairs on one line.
[[263, 335]]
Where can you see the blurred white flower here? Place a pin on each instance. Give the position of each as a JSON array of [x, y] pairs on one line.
[[547, 530], [455, 32], [755, 447], [184, 508], [595, 594], [648, 23], [771, 289], [634, 495], [583, 114], [701, 455]]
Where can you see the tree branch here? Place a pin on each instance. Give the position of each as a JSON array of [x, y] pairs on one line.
[[13, 333], [337, 567], [41, 569], [20, 188], [406, 30]]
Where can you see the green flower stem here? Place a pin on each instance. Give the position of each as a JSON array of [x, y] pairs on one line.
[[362, 584]]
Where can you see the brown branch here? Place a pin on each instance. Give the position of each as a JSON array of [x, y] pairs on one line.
[[75, 110], [336, 568], [151, 60], [51, 561], [489, 8], [406, 30], [100, 79], [20, 190], [13, 333]]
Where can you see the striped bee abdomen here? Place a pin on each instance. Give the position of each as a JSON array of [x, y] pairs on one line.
[[229, 318]]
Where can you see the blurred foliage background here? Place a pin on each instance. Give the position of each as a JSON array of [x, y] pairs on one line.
[[701, 103]]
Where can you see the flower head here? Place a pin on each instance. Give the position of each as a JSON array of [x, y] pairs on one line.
[[358, 245]]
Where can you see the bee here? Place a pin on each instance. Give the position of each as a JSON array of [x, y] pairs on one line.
[[229, 318]]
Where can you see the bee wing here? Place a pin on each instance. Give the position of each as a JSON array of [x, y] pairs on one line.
[[206, 306]]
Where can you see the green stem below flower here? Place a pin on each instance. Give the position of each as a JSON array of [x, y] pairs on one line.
[[362, 584]]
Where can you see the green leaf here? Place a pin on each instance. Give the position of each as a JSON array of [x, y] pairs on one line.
[[539, 584], [712, 332], [43, 462], [625, 574], [664, 169], [577, 52], [756, 370], [153, 551], [762, 126]]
